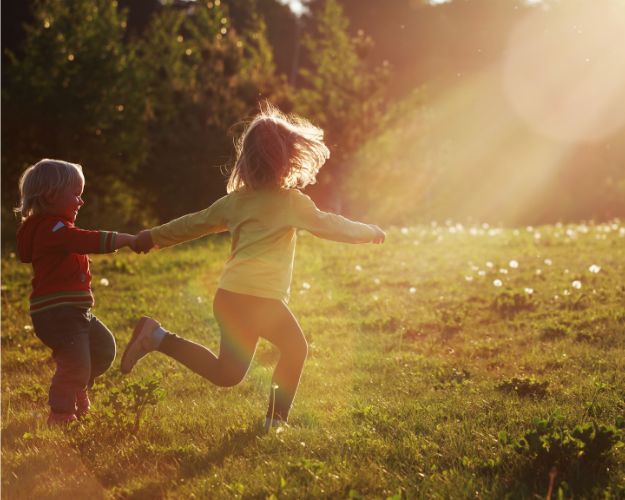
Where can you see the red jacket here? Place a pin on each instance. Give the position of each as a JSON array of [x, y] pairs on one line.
[[58, 252]]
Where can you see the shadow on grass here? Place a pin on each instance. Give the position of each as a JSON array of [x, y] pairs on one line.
[[235, 443]]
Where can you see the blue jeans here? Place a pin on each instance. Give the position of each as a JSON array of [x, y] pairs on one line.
[[82, 347]]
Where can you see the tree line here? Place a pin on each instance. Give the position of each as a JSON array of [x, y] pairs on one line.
[[148, 95], [151, 110]]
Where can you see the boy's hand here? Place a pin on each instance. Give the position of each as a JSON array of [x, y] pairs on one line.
[[124, 240], [380, 235], [143, 242]]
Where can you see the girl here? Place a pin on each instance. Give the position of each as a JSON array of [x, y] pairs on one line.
[[275, 157], [61, 299]]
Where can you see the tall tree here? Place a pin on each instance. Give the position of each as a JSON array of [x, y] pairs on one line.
[[72, 94], [205, 78], [340, 92]]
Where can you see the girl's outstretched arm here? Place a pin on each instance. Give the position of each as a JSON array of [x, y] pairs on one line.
[[306, 215]]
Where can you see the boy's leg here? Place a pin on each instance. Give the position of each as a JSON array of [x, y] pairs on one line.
[[65, 331], [102, 348], [284, 332]]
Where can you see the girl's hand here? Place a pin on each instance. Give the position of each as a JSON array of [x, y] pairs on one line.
[[143, 242], [379, 236]]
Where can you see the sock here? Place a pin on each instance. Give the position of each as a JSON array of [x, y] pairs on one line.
[[273, 422], [158, 335]]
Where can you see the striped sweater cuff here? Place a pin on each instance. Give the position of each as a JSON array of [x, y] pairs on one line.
[[107, 241]]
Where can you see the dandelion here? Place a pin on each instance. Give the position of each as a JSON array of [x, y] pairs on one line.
[[358, 267], [412, 290], [375, 297], [497, 283], [468, 278], [306, 285], [529, 290], [577, 284], [104, 282], [566, 292], [503, 271], [594, 268], [376, 281], [513, 264], [404, 230], [548, 262], [489, 264], [28, 328], [539, 272], [481, 272], [537, 235]]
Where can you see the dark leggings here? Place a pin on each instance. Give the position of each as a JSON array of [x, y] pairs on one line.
[[242, 320]]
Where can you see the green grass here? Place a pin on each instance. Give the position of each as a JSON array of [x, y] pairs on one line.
[[424, 379]]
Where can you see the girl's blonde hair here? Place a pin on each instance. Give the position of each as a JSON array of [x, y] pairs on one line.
[[277, 150], [43, 181]]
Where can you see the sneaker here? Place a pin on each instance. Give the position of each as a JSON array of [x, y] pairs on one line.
[[141, 343], [56, 418], [277, 423], [82, 403]]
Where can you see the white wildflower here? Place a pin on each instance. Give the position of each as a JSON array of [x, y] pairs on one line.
[[412, 290], [513, 264], [594, 268], [497, 283], [306, 285], [104, 282], [577, 284], [358, 267], [529, 290]]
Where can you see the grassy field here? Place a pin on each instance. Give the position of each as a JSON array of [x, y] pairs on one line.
[[450, 362]]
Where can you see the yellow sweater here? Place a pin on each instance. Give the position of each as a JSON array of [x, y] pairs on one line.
[[263, 226]]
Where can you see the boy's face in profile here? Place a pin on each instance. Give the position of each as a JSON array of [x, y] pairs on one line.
[[67, 202]]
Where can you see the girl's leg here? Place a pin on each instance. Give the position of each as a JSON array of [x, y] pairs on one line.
[[238, 343], [102, 348], [285, 333]]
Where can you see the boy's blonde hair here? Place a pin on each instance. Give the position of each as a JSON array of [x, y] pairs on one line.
[[277, 150], [43, 181]]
